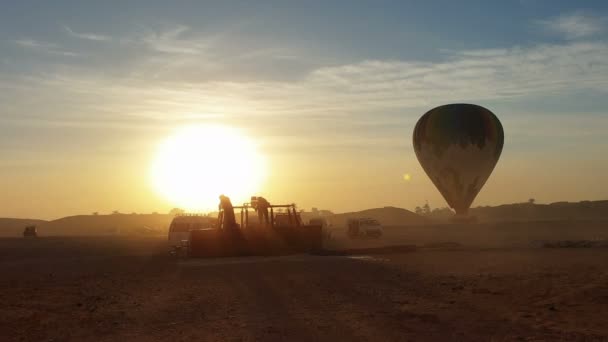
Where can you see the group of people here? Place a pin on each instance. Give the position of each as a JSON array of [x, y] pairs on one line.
[[260, 204]]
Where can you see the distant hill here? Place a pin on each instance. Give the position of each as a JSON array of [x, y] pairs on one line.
[[580, 211], [91, 225], [107, 224], [159, 223], [387, 216], [14, 226], [585, 210]]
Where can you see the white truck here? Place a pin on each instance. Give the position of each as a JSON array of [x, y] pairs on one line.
[[364, 228], [182, 225]]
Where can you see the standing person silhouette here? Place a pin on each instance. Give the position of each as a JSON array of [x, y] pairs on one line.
[[262, 208]]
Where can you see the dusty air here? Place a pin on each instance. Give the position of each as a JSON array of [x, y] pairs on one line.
[[303, 171]]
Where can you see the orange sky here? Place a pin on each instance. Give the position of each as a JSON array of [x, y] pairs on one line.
[[330, 95], [319, 169]]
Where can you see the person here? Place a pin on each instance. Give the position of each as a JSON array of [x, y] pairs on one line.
[[262, 208], [227, 212]]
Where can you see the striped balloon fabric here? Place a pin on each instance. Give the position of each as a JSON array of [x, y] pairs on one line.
[[458, 146]]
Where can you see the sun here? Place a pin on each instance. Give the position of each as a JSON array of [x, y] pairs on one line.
[[198, 163]]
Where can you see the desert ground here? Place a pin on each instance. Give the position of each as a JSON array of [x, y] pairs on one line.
[[446, 286]]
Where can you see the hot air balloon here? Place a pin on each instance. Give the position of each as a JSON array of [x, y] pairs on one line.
[[458, 146]]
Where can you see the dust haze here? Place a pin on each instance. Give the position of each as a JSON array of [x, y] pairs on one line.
[[540, 274], [303, 171]]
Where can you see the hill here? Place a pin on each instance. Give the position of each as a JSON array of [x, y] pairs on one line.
[[107, 224], [585, 210], [90, 225], [529, 211], [388, 216]]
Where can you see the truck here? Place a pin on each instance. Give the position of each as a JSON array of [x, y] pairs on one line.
[[364, 228], [30, 232], [181, 226]]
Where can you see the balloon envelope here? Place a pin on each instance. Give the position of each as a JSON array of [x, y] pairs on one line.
[[458, 146]]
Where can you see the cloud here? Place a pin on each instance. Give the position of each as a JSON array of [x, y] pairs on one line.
[[44, 47], [180, 53], [575, 25], [470, 75], [87, 36], [30, 43], [371, 86], [171, 41]]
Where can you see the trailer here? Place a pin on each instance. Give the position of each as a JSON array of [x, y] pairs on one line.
[[283, 234]]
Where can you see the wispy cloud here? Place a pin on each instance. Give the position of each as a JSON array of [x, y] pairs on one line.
[[366, 86], [178, 52], [86, 36], [172, 41], [471, 75], [44, 47], [575, 25]]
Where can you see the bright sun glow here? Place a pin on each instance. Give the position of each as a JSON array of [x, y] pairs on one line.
[[197, 164]]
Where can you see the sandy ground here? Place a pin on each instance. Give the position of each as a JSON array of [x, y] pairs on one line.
[[107, 289]]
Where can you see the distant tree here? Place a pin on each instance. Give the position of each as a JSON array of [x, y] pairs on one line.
[[116, 212], [176, 211], [531, 201], [133, 213], [426, 209], [155, 213], [95, 213]]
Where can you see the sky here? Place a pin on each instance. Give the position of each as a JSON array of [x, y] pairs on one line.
[[330, 92]]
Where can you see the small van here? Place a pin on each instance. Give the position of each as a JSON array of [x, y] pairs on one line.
[[364, 228], [183, 224]]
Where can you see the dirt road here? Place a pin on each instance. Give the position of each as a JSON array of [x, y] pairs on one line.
[[125, 289]]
